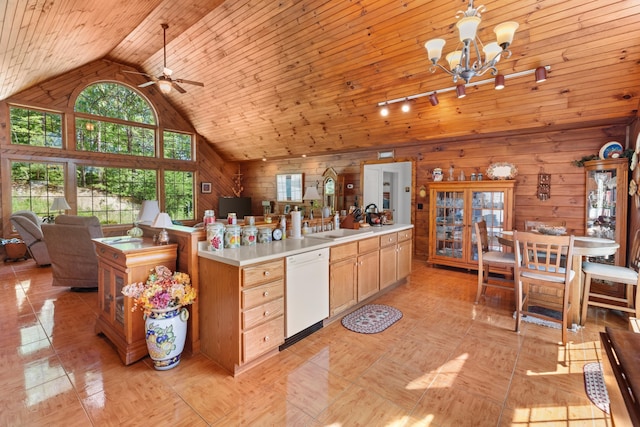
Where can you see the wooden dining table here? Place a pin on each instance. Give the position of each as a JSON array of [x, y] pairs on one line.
[[583, 246]]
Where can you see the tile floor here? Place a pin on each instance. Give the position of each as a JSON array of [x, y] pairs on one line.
[[446, 362]]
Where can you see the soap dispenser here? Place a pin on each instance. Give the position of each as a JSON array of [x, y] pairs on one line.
[[336, 221]]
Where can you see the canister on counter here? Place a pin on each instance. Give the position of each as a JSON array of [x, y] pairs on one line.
[[249, 220], [232, 219], [249, 235], [215, 236], [264, 235], [232, 236], [209, 217]]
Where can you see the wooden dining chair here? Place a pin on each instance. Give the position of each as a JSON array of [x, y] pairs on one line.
[[628, 276], [491, 259], [539, 271]]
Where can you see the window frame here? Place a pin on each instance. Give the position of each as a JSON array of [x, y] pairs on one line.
[[72, 159]]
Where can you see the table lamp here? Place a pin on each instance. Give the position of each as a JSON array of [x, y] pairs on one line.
[[311, 194], [163, 220], [148, 212], [60, 204]]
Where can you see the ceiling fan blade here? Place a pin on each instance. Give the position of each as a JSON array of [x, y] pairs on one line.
[[147, 84], [189, 82], [178, 87]]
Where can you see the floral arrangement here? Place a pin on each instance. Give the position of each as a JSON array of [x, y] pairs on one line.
[[163, 289]]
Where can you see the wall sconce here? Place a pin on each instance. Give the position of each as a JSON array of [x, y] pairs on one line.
[[544, 186], [422, 192]]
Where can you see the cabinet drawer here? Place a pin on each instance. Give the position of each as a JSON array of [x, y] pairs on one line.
[[261, 294], [368, 245], [388, 239], [263, 338], [405, 235], [111, 255], [343, 251], [262, 313], [262, 273]]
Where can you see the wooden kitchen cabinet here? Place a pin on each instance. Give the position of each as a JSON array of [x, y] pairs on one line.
[[244, 317], [353, 273], [368, 267], [395, 257], [343, 277], [454, 208], [118, 266]]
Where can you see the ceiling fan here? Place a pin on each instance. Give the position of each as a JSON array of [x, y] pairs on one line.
[[165, 82]]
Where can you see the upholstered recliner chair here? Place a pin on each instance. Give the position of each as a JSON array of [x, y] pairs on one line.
[[74, 262], [28, 225]]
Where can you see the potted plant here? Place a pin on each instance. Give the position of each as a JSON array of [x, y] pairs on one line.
[[163, 298]]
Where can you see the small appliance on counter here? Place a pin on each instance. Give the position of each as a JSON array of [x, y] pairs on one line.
[[374, 217]]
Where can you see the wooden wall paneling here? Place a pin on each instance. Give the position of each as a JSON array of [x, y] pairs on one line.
[[552, 152]]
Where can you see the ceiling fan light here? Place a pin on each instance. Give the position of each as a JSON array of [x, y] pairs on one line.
[[499, 83], [541, 74], [467, 27], [165, 86], [505, 32]]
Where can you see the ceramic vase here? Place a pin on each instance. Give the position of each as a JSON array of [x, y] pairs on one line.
[[166, 332]]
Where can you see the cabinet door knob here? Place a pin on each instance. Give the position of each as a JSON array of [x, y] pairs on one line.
[[266, 313], [265, 294], [266, 273], [266, 339]]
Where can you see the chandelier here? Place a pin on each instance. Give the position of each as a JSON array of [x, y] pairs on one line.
[[462, 65]]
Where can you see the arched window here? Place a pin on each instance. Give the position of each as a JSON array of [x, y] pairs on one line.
[[111, 118]]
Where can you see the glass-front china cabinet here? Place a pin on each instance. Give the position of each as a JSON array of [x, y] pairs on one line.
[[455, 206], [606, 204]]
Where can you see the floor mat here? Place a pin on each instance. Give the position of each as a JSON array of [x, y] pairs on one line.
[[595, 387]]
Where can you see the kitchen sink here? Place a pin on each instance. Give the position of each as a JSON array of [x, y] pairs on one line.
[[340, 234]]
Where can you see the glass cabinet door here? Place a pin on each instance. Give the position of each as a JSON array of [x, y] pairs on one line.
[[449, 223], [490, 206], [601, 207], [606, 204]]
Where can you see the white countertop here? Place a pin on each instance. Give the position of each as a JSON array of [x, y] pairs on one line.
[[261, 252]]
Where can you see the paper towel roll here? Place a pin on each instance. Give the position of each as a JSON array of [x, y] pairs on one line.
[[296, 225]]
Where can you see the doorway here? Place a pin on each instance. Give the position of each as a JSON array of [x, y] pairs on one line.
[[389, 184]]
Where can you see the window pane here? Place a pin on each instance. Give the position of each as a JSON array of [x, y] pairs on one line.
[[34, 185], [116, 101], [35, 128], [177, 146], [178, 189], [114, 138], [114, 195]]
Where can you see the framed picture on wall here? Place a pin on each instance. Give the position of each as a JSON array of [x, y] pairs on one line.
[[287, 209], [205, 187]]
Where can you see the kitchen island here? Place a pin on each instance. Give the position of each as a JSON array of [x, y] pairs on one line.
[[242, 291]]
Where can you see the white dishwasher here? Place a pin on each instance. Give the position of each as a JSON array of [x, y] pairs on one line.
[[306, 291]]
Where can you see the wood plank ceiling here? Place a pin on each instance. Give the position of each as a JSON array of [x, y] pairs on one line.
[[286, 78]]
